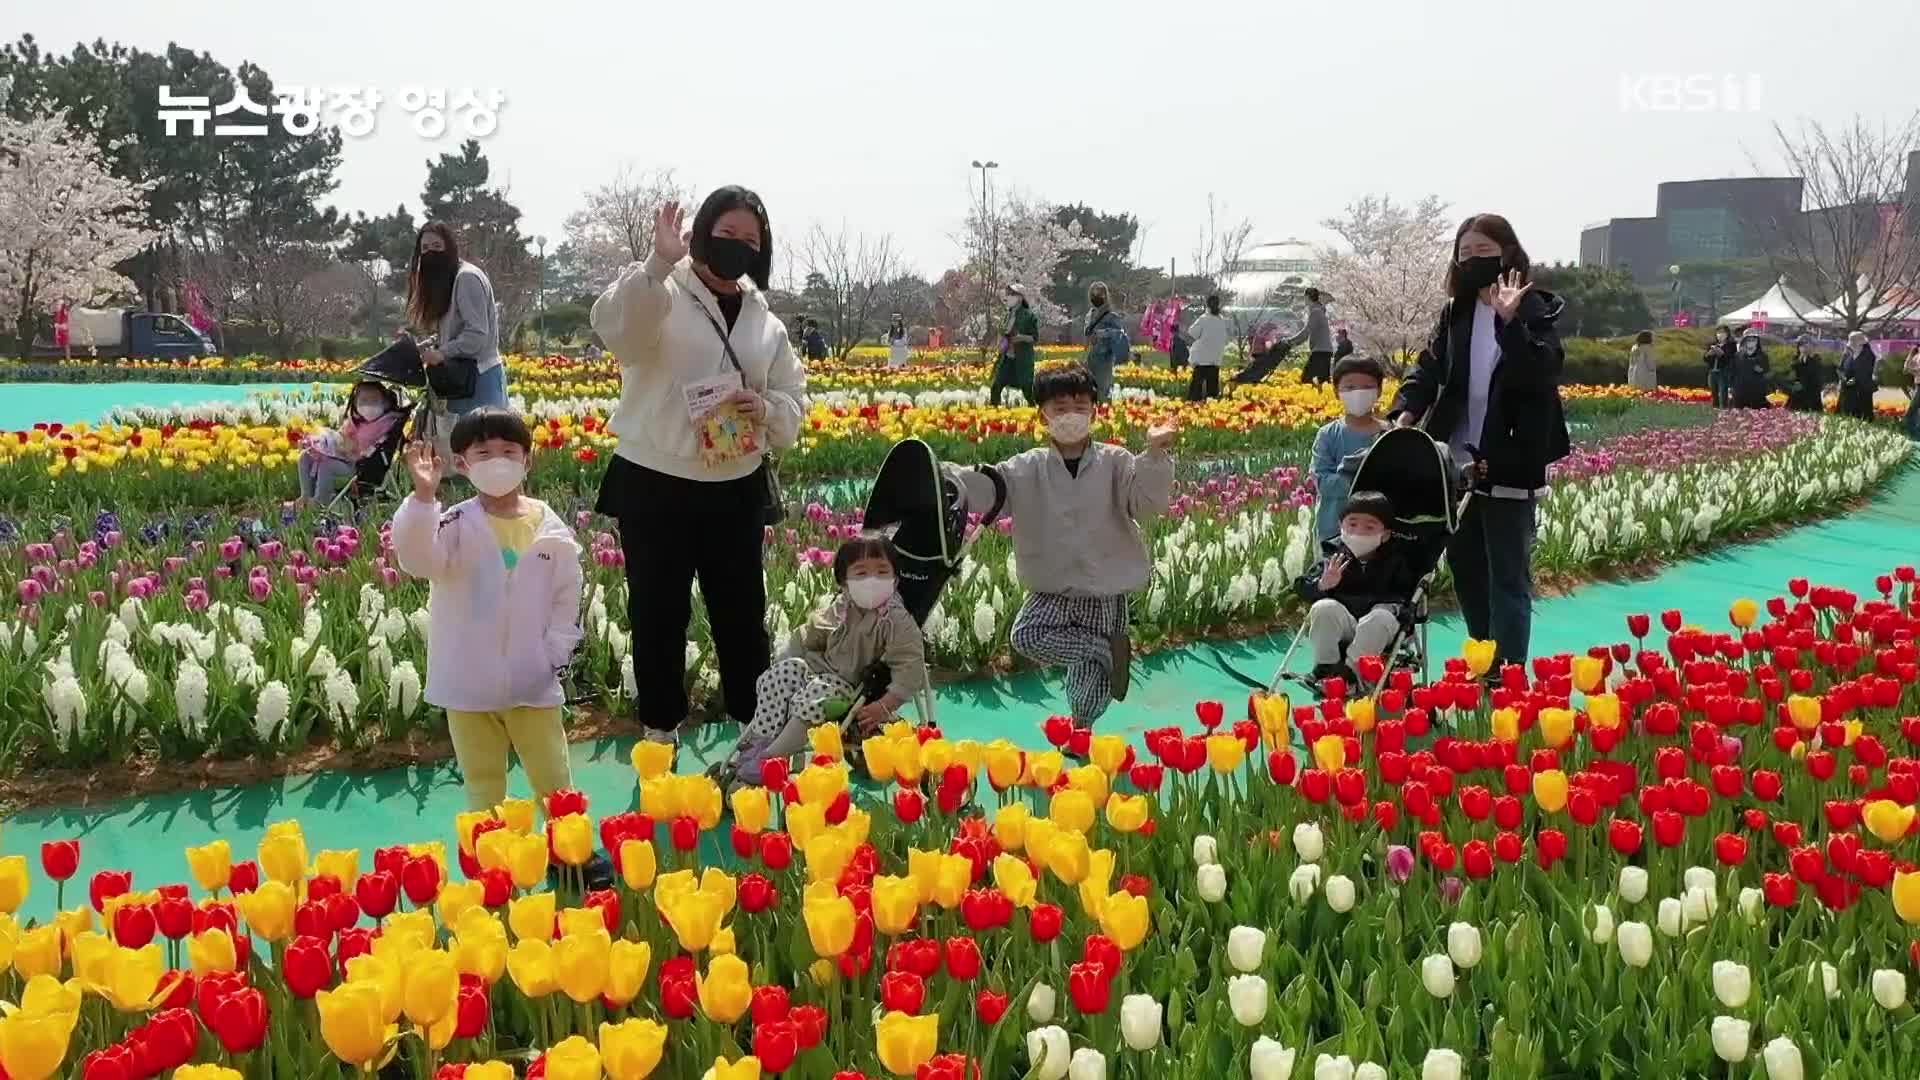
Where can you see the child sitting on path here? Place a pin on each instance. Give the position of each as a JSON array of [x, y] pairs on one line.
[[1077, 505], [504, 615], [331, 456], [1357, 589], [1340, 444], [862, 625]]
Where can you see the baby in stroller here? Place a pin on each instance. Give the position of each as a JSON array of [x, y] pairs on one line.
[[331, 456], [861, 645], [1358, 588]]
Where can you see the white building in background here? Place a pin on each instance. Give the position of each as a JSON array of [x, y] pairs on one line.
[[1271, 272]]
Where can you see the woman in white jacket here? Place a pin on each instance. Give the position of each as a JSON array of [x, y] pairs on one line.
[[695, 340]]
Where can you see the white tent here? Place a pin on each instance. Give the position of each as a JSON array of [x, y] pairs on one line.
[[1898, 303], [1778, 307]]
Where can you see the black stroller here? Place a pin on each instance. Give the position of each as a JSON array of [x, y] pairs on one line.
[[374, 474], [1418, 476]]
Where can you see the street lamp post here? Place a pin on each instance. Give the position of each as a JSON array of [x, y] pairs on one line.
[[541, 243], [1674, 316], [990, 238]]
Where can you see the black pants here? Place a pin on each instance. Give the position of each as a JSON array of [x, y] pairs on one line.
[[1319, 368], [1204, 383], [673, 531], [1492, 559]]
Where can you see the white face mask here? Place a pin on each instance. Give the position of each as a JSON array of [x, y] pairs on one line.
[[1361, 544], [1069, 427], [870, 592], [1359, 402], [497, 476], [370, 408]]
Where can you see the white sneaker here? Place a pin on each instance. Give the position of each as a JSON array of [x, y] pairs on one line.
[[655, 735]]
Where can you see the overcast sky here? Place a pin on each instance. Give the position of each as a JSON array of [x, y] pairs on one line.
[[870, 112]]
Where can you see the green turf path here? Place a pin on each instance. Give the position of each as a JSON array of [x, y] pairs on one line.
[[365, 810]]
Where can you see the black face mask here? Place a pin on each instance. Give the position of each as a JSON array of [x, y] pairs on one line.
[[1479, 272], [729, 259], [1099, 299], [436, 264]]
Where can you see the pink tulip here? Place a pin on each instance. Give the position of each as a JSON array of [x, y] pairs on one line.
[[196, 584], [350, 534], [306, 575], [42, 574], [230, 549], [223, 571], [97, 598], [389, 577], [271, 550], [305, 592], [197, 601], [68, 567], [30, 590], [39, 552], [196, 547], [298, 558], [172, 564], [259, 588], [112, 539], [62, 540], [140, 588]]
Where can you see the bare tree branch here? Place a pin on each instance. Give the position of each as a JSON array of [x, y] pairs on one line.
[[846, 278], [615, 227]]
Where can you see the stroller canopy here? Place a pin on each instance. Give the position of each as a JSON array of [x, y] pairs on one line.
[[397, 363], [1415, 474]]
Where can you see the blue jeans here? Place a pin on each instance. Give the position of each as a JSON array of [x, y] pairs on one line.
[[1492, 560], [489, 388], [1717, 383]]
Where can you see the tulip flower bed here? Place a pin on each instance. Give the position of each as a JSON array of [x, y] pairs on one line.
[[1687, 853]]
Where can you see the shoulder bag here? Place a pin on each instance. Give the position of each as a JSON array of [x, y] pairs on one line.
[[773, 508]]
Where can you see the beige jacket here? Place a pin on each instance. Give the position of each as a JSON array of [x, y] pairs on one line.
[[1079, 535], [844, 639]]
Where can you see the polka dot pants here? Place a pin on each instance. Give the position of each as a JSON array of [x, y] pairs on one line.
[[792, 700]]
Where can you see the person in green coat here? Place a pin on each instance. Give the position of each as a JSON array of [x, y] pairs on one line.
[[1015, 368]]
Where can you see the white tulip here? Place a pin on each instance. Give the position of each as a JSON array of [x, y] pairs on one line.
[[1205, 853], [1436, 974], [1333, 1068], [1752, 902], [1671, 917], [1268, 1060], [1730, 1038], [1367, 1070], [1636, 943], [1633, 884], [1048, 1051], [1140, 1021], [1699, 877], [1308, 843], [1828, 975], [1247, 996], [1040, 1002], [1732, 983], [1305, 879], [1244, 948], [1441, 1064], [1602, 924], [1087, 1064], [1463, 944], [1782, 1060], [1211, 882], [1698, 905], [1340, 893], [1889, 988]]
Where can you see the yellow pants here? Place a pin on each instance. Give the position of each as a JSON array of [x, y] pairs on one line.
[[481, 741]]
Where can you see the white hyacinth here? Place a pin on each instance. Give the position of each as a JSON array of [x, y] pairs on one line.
[[240, 664], [985, 622], [419, 621], [67, 704], [403, 688], [393, 625], [342, 697], [190, 697], [310, 622], [270, 711], [628, 688], [132, 613], [379, 658]]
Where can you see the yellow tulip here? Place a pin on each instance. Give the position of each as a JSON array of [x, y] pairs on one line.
[[464, 823], [1550, 790], [1225, 753], [1906, 896], [1091, 780], [9, 940], [489, 1070], [283, 855], [953, 876], [1603, 711], [39, 952], [909, 762], [432, 988], [1005, 762], [804, 822], [342, 866], [751, 809], [1010, 826], [879, 752], [723, 943], [638, 864], [582, 961], [74, 921], [531, 965], [1587, 673], [1887, 820], [1556, 726], [700, 799], [494, 850], [407, 933], [694, 915], [15, 883], [573, 839], [747, 1068], [1015, 878], [858, 826], [518, 814], [1330, 753], [1850, 731], [211, 864], [896, 903], [821, 784], [726, 990], [268, 910], [457, 898], [1071, 810], [827, 855], [1108, 752], [581, 921], [652, 760], [1097, 882], [829, 924], [1124, 919], [718, 884], [1069, 857], [826, 740], [1479, 656], [1274, 714], [33, 1044], [532, 917], [630, 1050], [207, 1072], [1506, 725], [627, 968], [208, 951], [480, 945], [1044, 767], [352, 1025], [385, 973], [906, 1042], [936, 755], [1804, 711], [1127, 813], [1743, 613]]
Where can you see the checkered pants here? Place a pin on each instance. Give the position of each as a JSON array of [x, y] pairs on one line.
[[1075, 632]]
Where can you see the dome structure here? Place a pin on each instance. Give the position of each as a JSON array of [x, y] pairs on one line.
[[1266, 269]]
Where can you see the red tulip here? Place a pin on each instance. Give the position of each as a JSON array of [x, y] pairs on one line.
[[1671, 619], [915, 956], [776, 1044], [1371, 669], [351, 944], [311, 919], [608, 903], [810, 1023], [1842, 813], [1508, 847], [1780, 889], [239, 1020], [1100, 949], [963, 958], [245, 877], [909, 805], [1209, 713], [473, 1010], [421, 878], [60, 859], [1874, 868], [1730, 849], [566, 801], [1551, 845], [116, 1062], [165, 1042], [1766, 785], [108, 884], [1090, 987], [1638, 625], [307, 968], [1045, 921], [776, 850], [498, 886], [174, 917], [1476, 858], [986, 909], [133, 925], [1808, 864], [1624, 835], [990, 1006], [903, 991]]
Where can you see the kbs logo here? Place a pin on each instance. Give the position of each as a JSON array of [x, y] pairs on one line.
[[1690, 93]]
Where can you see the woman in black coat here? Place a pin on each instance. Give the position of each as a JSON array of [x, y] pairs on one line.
[[1751, 379], [1858, 378], [1809, 378], [1488, 385]]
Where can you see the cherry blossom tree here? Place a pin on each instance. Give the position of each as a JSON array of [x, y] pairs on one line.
[[1386, 282], [615, 227], [65, 222], [1017, 242]]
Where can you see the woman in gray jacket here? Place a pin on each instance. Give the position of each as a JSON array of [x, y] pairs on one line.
[[454, 300]]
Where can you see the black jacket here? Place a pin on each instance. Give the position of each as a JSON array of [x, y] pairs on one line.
[[1342, 349], [1180, 349], [1752, 379], [1858, 381], [815, 344], [1809, 379], [1387, 578], [1718, 355], [1525, 428]]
